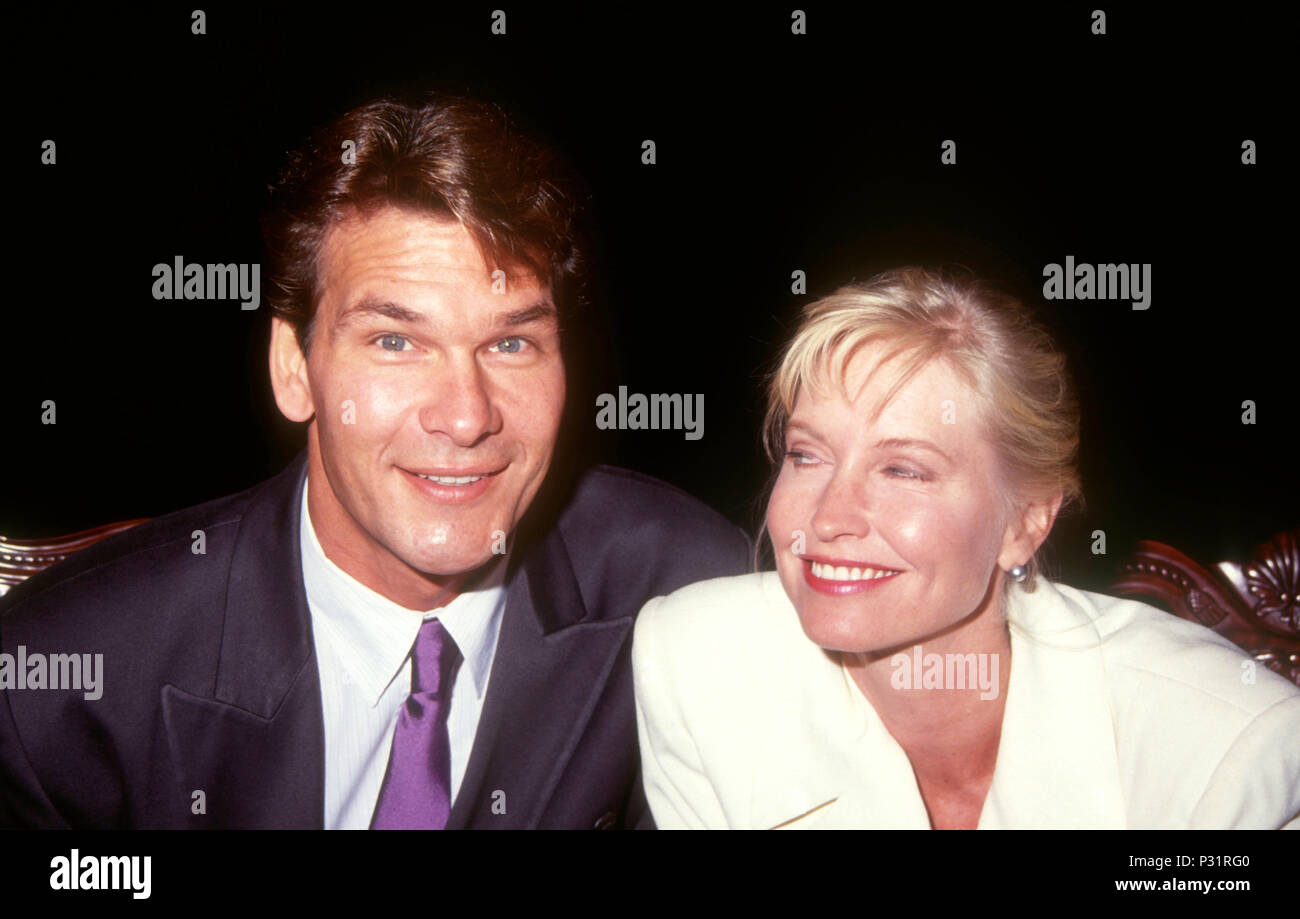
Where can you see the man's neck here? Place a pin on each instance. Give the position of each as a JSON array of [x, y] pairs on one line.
[[373, 566]]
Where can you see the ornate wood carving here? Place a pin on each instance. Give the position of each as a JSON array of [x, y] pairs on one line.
[[21, 558], [1254, 605]]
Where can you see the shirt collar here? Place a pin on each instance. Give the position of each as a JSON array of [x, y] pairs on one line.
[[373, 636]]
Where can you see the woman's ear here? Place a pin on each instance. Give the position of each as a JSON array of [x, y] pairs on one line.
[[289, 373], [1028, 529]]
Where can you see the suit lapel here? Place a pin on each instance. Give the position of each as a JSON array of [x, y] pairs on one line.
[[256, 748], [549, 674]]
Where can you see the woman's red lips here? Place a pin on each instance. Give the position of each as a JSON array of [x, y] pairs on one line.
[[841, 576]]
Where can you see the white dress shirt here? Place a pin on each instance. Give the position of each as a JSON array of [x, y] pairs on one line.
[[363, 650], [1117, 715]]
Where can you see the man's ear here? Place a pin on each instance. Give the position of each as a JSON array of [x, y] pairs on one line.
[[1027, 530], [289, 373]]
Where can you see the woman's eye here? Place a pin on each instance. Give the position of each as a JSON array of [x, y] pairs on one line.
[[900, 472], [508, 346], [393, 342], [800, 459]]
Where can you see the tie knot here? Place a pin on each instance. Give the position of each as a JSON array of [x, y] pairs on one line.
[[434, 658]]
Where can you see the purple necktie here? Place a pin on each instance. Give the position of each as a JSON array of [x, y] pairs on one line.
[[417, 788]]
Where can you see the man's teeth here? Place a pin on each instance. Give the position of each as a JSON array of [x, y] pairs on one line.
[[842, 573], [451, 479]]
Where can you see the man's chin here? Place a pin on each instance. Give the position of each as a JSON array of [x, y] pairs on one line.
[[450, 566]]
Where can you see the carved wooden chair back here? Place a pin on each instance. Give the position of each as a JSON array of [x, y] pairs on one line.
[[1253, 604], [22, 558]]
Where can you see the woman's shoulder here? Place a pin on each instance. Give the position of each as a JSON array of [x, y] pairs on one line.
[[731, 624], [750, 603], [1203, 735], [1161, 656]]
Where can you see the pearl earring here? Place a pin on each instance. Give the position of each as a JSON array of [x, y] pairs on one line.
[[1017, 572]]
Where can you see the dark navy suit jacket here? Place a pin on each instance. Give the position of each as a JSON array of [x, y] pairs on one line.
[[210, 680]]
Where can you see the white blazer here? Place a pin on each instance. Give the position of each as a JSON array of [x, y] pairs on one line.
[[1117, 715]]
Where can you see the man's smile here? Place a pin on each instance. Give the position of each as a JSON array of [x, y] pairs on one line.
[[454, 486]]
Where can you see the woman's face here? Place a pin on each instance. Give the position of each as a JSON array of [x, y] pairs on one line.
[[890, 531]]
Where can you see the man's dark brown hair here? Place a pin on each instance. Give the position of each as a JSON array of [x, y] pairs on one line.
[[446, 156]]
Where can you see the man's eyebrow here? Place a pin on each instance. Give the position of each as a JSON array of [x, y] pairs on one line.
[[369, 306], [542, 309], [892, 442]]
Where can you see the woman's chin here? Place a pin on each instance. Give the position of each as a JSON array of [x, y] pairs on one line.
[[843, 632], [838, 623]]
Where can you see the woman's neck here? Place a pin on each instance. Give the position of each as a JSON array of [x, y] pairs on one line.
[[942, 699]]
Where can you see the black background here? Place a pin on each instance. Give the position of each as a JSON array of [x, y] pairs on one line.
[[776, 152]]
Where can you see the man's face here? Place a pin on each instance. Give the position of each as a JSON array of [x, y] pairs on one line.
[[436, 401]]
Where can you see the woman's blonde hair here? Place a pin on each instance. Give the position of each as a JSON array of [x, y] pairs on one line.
[[1024, 395]]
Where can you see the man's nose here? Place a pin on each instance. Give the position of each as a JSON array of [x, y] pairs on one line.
[[844, 510], [459, 403]]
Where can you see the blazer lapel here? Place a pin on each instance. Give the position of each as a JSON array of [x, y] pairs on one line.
[[1057, 762], [822, 758], [549, 674], [828, 760], [256, 747]]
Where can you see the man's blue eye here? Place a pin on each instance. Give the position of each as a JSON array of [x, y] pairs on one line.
[[510, 345], [392, 343]]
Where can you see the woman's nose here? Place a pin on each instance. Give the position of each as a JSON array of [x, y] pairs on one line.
[[843, 510]]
